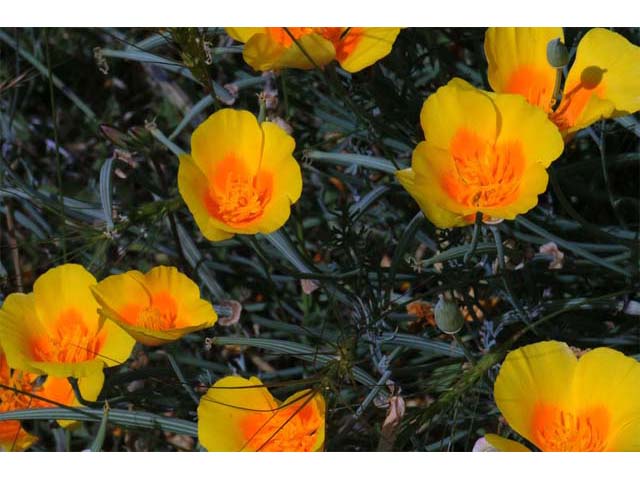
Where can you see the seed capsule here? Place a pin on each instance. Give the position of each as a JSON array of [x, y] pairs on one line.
[[448, 316]]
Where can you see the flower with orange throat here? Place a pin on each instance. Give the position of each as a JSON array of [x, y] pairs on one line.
[[273, 48], [484, 153], [355, 48], [56, 329], [23, 390], [154, 308], [603, 82], [561, 403], [237, 414], [241, 176]]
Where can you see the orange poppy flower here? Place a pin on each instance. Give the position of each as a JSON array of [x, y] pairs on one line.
[[272, 48], [154, 308], [562, 403], [483, 152], [56, 330], [237, 414], [241, 176], [16, 392], [603, 82]]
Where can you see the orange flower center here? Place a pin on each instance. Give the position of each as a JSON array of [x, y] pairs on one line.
[[235, 196], [288, 429], [557, 430], [21, 381], [283, 36], [345, 40], [160, 314], [69, 342], [485, 175], [534, 84], [577, 96]]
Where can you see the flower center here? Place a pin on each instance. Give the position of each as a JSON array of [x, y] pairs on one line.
[[69, 342], [485, 175], [236, 197], [21, 381], [289, 429], [534, 84], [345, 40], [557, 430], [281, 36]]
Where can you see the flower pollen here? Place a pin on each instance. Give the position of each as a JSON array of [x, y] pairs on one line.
[[288, 429], [69, 342], [558, 430], [485, 175]]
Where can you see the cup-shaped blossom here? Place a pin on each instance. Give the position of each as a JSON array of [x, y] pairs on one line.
[[56, 329], [562, 403], [355, 48], [484, 153], [154, 308], [603, 82], [22, 390], [241, 176], [273, 48], [238, 414]]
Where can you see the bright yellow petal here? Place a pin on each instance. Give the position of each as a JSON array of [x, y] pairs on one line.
[[118, 344], [19, 323], [263, 53], [227, 134], [603, 82], [607, 378], [243, 34], [536, 374], [504, 444], [424, 185], [116, 292], [311, 51], [275, 215], [518, 62], [223, 408], [278, 160], [361, 47], [455, 107], [63, 289], [194, 187], [528, 126]]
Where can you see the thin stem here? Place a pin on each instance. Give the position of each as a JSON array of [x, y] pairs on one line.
[[474, 238]]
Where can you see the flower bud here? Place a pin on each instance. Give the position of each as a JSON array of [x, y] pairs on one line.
[[557, 53], [448, 316]]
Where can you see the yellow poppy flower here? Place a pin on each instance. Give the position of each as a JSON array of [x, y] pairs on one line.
[[154, 308], [562, 403], [603, 82], [21, 390], [272, 48], [241, 176], [483, 153], [237, 414], [56, 330]]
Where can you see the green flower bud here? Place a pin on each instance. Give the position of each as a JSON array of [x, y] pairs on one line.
[[557, 53], [448, 316]]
